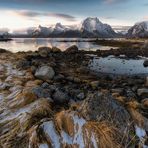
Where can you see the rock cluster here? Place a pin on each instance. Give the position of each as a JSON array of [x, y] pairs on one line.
[[50, 99]]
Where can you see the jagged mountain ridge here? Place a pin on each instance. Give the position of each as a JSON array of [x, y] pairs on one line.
[[90, 27], [94, 27]]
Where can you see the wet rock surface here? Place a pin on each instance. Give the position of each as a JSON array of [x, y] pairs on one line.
[[50, 99]]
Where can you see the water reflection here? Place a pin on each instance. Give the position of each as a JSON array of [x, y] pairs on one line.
[[27, 44], [113, 65]]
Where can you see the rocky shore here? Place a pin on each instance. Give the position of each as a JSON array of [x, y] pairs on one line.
[[50, 98]]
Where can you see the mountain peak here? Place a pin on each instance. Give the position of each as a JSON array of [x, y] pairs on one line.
[[94, 27], [139, 30]]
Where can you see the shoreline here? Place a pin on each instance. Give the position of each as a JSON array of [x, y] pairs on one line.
[[50, 90]]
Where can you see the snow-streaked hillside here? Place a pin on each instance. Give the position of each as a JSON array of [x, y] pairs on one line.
[[139, 30], [94, 27]]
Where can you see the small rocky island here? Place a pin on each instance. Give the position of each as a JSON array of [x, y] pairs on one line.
[[50, 98]]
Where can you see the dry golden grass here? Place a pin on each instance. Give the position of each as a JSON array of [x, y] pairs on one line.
[[22, 100], [16, 128], [64, 121], [106, 135], [101, 134]]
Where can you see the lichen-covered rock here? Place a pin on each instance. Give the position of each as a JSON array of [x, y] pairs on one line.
[[101, 106]]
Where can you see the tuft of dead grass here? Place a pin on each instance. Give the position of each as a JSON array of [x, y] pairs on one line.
[[105, 134], [16, 127]]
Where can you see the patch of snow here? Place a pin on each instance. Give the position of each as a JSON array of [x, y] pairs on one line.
[[13, 94], [78, 124], [21, 113], [94, 141], [1, 96], [44, 145], [140, 132], [50, 131], [66, 138]]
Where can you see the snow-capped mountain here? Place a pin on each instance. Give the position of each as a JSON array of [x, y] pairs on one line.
[[139, 30], [95, 28], [59, 28], [90, 27], [42, 31]]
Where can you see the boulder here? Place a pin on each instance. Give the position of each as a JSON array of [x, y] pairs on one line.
[[145, 102], [44, 51], [142, 92], [55, 49], [60, 97], [72, 49], [41, 92], [81, 96], [146, 84], [45, 73], [145, 64], [102, 106]]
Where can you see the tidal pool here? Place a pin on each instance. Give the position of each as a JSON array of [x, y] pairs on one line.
[[121, 65]]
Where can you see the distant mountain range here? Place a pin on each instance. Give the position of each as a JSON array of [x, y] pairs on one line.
[[90, 27]]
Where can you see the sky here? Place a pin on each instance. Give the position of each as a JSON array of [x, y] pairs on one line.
[[18, 14]]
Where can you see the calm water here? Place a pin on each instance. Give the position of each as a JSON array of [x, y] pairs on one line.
[[27, 44], [113, 65]]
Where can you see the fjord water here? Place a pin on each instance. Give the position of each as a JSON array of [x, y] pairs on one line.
[[32, 44], [121, 66]]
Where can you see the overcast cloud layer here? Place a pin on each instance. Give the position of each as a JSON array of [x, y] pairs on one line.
[[34, 12]]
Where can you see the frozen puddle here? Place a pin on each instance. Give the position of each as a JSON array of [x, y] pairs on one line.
[[113, 65]]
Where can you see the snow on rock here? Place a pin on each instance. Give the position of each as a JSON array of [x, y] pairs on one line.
[[44, 31], [44, 145], [140, 132], [139, 30], [51, 133], [59, 28], [90, 27], [69, 129], [95, 27]]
